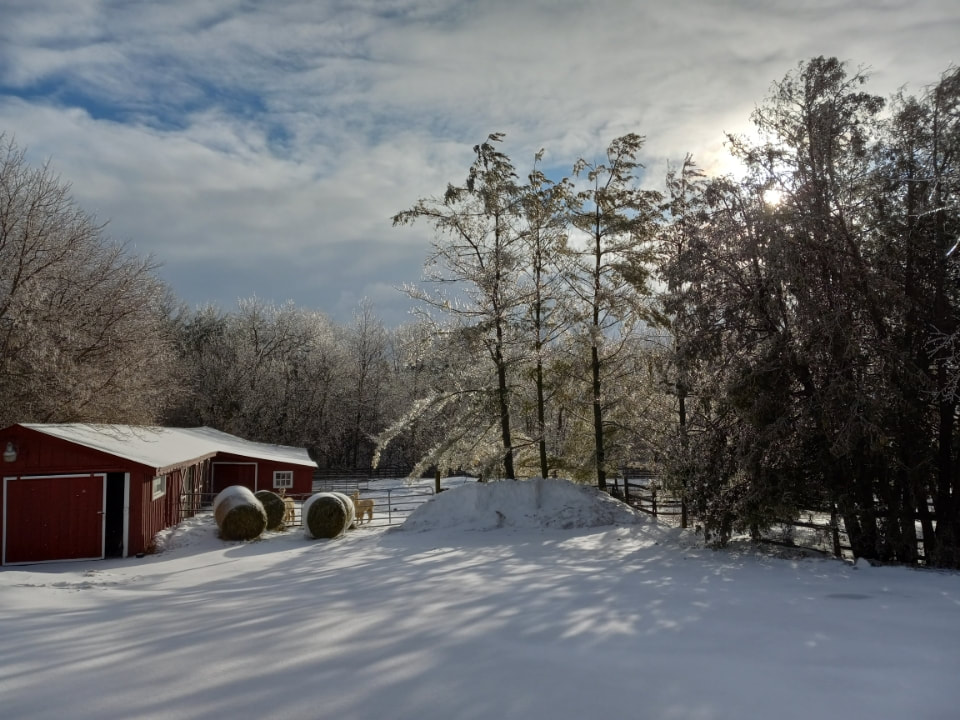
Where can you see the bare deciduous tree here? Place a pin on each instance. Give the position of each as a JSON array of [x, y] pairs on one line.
[[84, 326]]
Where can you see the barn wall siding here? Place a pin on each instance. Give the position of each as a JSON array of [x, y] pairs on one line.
[[39, 452], [234, 471], [157, 514], [302, 474], [257, 474], [184, 484]]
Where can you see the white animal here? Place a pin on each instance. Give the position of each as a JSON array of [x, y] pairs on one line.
[[363, 506], [289, 508]]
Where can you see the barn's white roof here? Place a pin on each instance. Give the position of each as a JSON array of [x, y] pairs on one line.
[[160, 447]]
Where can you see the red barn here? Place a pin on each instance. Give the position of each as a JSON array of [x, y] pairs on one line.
[[78, 491]]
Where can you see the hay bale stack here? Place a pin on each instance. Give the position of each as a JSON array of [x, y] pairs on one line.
[[239, 515], [326, 515], [274, 506]]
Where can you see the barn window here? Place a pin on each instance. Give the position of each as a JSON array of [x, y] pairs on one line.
[[282, 479], [159, 486]]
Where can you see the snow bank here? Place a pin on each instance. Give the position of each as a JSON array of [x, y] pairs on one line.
[[536, 503]]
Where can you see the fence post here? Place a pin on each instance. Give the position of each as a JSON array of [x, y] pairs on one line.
[[626, 488], [653, 499]]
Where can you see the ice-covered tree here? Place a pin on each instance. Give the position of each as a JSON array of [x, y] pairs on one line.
[[84, 330], [543, 317], [473, 270], [612, 219]]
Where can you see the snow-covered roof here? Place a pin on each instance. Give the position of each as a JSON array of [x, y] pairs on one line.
[[161, 447]]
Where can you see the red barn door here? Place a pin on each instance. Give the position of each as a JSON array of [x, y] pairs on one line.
[[53, 518], [226, 474]]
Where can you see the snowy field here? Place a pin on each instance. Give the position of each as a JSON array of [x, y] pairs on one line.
[[508, 600]]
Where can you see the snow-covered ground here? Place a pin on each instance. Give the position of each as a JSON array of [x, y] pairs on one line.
[[504, 600]]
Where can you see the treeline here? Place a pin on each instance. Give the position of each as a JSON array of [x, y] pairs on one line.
[[816, 341], [88, 333], [291, 376], [779, 341], [808, 310]]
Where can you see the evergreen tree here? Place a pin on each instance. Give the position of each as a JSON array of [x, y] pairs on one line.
[[544, 320], [614, 220], [476, 247]]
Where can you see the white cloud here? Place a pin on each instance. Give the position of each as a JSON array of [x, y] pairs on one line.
[[282, 136]]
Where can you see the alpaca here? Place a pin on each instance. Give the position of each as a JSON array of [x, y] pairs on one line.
[[363, 506], [289, 510]]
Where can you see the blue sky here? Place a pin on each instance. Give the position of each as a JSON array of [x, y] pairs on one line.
[[260, 147]]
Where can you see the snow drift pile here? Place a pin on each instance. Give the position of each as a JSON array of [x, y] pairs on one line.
[[537, 503], [239, 515]]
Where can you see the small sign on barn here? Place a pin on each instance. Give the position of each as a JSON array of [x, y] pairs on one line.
[[79, 491]]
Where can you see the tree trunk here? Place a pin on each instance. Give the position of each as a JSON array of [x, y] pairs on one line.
[[541, 421], [503, 400], [598, 419], [682, 399], [595, 353], [947, 554]]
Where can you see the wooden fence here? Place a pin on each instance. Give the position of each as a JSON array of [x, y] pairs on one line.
[[651, 499], [645, 494], [821, 532]]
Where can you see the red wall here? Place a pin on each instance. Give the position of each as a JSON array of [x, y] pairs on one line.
[[167, 510], [41, 453], [302, 475]]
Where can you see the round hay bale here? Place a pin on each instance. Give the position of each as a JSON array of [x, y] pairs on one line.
[[326, 515], [239, 515], [274, 506]]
